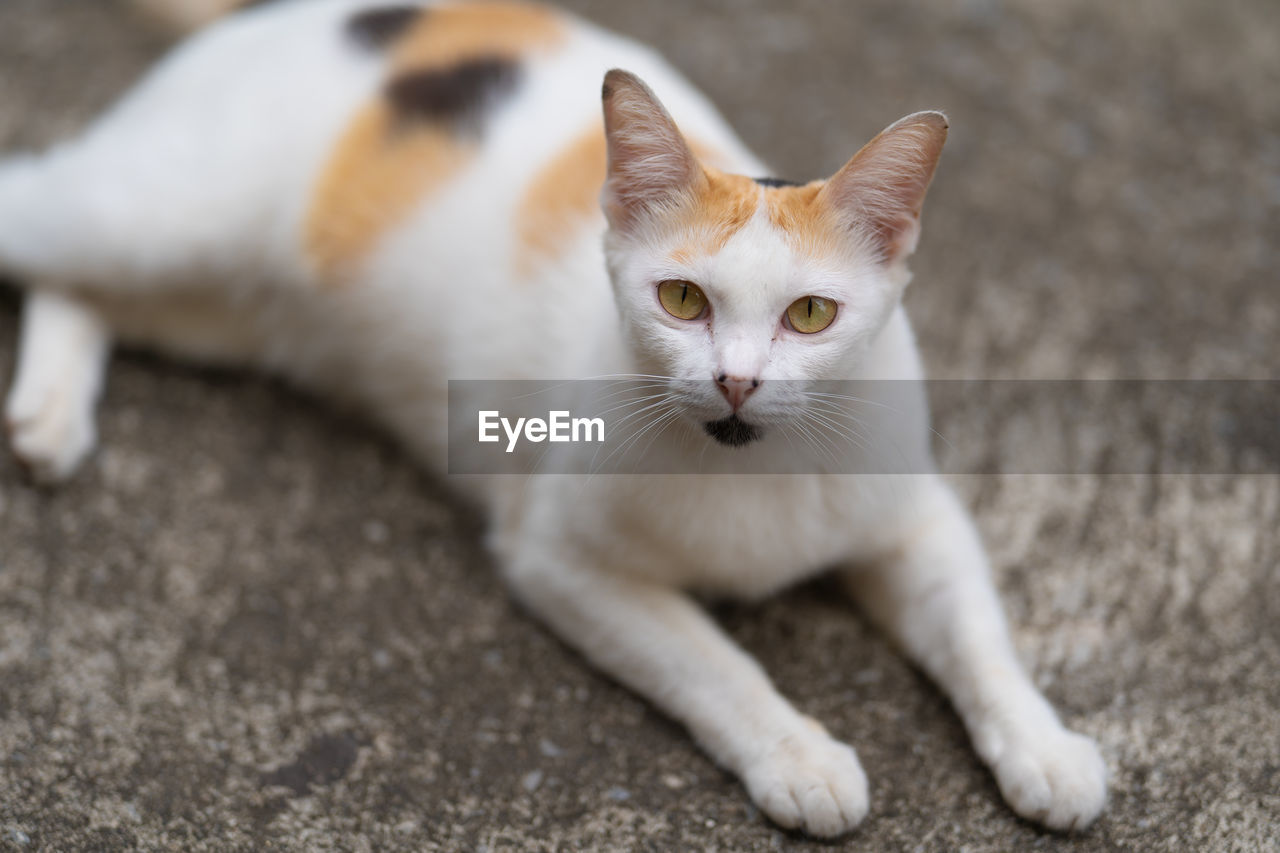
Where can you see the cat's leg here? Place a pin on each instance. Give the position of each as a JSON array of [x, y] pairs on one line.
[[934, 596], [62, 357], [661, 644], [183, 197], [73, 215]]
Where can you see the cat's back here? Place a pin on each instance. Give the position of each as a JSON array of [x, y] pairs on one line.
[[451, 115], [462, 194], [332, 127]]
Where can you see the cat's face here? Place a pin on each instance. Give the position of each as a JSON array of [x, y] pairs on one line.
[[741, 290]]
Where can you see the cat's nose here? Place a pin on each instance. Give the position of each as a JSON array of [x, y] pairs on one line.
[[736, 389]]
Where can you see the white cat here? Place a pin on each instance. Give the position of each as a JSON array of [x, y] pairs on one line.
[[371, 200]]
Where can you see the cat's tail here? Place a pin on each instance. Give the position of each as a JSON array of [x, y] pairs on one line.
[[186, 16]]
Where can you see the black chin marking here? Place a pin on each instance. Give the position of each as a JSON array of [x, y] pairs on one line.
[[733, 431]]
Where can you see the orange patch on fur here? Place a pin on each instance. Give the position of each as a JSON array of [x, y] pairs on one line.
[[380, 169], [374, 178], [726, 202], [560, 199], [566, 194], [683, 255], [720, 206], [449, 34], [810, 225]]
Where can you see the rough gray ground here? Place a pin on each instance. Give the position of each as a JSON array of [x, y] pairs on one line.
[[251, 625]]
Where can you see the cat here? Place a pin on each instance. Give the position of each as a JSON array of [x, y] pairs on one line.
[[371, 199]]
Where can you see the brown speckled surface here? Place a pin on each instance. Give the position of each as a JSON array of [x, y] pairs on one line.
[[251, 625]]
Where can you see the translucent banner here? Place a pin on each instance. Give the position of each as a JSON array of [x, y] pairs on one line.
[[652, 425]]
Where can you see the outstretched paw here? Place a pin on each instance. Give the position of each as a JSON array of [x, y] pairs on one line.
[[1056, 778], [812, 782]]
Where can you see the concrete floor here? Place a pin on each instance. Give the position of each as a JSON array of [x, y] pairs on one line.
[[250, 624]]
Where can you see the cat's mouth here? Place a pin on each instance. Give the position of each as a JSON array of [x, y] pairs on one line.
[[733, 431]]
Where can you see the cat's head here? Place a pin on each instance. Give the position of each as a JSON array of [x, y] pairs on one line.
[[729, 284]]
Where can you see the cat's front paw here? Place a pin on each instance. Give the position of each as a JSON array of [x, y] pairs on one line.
[[812, 782], [49, 433], [1056, 778]]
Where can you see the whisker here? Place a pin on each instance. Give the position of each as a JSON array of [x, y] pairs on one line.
[[849, 433], [668, 419], [624, 421], [634, 437], [807, 435], [869, 439], [829, 396]]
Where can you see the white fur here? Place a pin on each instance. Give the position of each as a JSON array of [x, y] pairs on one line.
[[178, 216], [62, 356]]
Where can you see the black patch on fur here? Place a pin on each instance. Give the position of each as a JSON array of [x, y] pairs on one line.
[[733, 431], [460, 95], [775, 183], [377, 29]]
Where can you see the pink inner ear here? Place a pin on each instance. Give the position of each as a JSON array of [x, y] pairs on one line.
[[649, 160], [882, 189], [897, 229]]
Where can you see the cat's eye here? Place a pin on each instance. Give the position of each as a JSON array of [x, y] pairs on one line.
[[811, 314], [683, 300]]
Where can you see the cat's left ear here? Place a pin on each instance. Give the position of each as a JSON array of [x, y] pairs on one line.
[[650, 163], [882, 188]]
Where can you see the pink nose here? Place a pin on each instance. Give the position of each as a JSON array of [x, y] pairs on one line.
[[736, 389]]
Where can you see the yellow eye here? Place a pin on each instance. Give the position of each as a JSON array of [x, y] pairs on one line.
[[682, 299], [810, 314]]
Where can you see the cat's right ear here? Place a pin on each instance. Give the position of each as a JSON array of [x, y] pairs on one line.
[[882, 188], [650, 163]]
